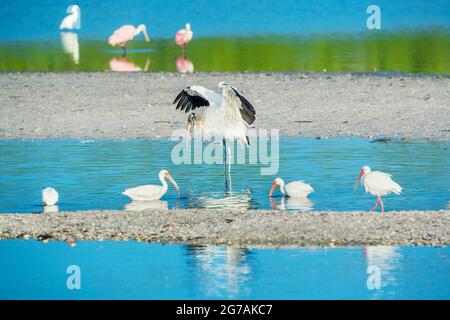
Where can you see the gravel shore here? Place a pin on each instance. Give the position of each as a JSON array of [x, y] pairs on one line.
[[239, 228], [138, 105]]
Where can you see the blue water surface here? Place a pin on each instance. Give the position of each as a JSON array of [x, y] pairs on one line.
[[93, 174], [132, 270], [40, 19]]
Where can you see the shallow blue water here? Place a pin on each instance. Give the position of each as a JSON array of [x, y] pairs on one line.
[[39, 19], [93, 174], [132, 270]]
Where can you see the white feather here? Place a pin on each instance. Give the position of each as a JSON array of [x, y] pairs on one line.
[[379, 183], [50, 196]]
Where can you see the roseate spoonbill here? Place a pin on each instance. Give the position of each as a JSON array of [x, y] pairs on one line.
[[184, 36], [184, 65], [49, 196], [70, 44], [73, 19], [378, 184], [151, 192], [294, 189], [126, 33], [228, 116]]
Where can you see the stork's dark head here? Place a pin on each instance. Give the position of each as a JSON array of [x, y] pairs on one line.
[[192, 117]]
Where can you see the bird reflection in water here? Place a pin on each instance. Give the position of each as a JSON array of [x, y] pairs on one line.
[[70, 45], [386, 259], [184, 65], [123, 65], [50, 209], [288, 203], [229, 200], [222, 271], [146, 205]]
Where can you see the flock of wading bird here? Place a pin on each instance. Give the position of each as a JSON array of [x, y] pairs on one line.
[[228, 116], [120, 37]]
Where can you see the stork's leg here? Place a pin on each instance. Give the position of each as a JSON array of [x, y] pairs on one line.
[[381, 203], [225, 167], [229, 166], [376, 205], [124, 52]]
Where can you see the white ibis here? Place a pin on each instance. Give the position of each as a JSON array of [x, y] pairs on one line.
[[151, 192], [378, 184], [73, 19], [294, 189], [228, 115], [50, 196]]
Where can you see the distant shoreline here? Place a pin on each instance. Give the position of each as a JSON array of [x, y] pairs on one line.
[[246, 228], [106, 105]]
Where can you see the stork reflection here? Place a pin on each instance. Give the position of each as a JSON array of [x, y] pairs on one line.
[[222, 271], [229, 200], [70, 45]]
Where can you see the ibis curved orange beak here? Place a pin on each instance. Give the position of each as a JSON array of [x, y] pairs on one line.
[[168, 176], [357, 179], [274, 186]]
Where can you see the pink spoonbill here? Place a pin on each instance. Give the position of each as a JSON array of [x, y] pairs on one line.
[[184, 36], [151, 192], [378, 184], [126, 33], [294, 189]]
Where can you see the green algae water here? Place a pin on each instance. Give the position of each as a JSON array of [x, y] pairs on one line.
[[292, 35]]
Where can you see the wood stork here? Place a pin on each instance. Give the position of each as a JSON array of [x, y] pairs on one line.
[[50, 196], [378, 184], [294, 189], [151, 192], [228, 116], [73, 19]]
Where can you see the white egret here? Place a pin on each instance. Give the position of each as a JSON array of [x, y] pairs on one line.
[[294, 189], [151, 192], [73, 19], [228, 116], [69, 42], [378, 184], [50, 196]]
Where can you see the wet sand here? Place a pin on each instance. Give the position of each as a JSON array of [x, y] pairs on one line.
[[138, 105], [238, 228]]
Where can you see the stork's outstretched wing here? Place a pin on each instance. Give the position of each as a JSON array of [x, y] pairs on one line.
[[248, 112], [194, 97]]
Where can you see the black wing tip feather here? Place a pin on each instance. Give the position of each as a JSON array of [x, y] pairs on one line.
[[248, 112], [188, 100]]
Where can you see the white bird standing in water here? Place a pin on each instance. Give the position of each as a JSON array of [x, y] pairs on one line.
[[227, 116], [73, 19], [378, 184], [50, 197], [151, 192], [294, 189]]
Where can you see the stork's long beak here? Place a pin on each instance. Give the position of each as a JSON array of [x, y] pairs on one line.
[[168, 176], [274, 185], [357, 179]]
